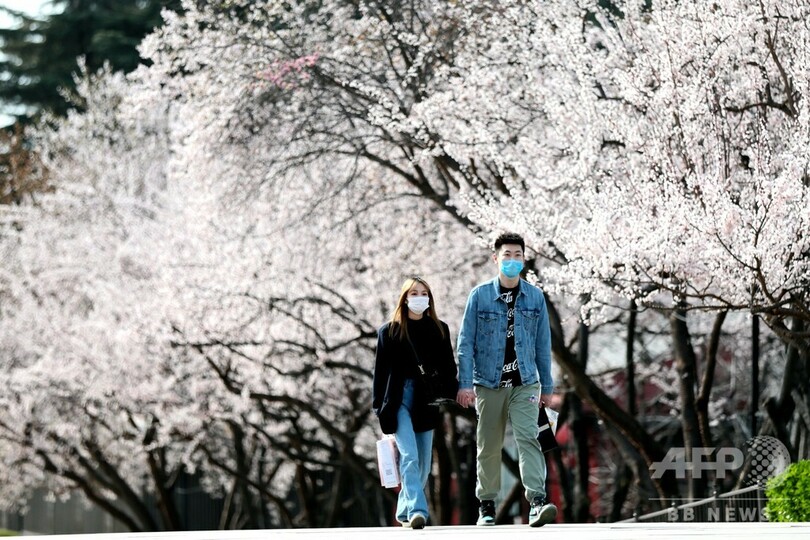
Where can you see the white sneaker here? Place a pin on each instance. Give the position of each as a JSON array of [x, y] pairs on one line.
[[541, 513]]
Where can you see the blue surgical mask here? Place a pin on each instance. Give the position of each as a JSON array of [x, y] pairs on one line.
[[511, 268]]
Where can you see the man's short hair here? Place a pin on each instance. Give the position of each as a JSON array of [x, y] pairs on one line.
[[510, 238]]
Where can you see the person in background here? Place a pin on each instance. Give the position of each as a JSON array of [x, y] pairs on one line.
[[504, 358], [414, 366]]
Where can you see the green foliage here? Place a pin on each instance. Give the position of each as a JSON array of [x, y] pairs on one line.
[[6, 532], [789, 494], [39, 57]]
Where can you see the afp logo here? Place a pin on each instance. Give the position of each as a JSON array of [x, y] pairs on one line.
[[769, 457]]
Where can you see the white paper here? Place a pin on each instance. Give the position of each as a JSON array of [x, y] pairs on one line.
[[552, 419]]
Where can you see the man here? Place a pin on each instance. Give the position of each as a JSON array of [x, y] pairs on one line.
[[504, 351]]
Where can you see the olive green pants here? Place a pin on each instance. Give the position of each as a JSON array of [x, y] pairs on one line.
[[520, 406]]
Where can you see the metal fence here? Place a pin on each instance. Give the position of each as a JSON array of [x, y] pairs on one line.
[[742, 505]]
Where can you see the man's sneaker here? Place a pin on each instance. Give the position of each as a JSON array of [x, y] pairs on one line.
[[417, 521], [541, 512], [405, 523], [486, 513]]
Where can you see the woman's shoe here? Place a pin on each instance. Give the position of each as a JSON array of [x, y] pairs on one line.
[[417, 521]]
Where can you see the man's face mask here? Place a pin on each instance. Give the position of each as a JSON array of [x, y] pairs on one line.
[[511, 268]]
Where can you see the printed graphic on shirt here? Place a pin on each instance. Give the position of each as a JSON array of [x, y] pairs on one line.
[[511, 374]]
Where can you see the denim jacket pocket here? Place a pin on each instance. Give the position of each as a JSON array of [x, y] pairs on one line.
[[488, 322], [530, 314], [528, 326]]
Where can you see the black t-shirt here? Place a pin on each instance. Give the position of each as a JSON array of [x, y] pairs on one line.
[[423, 334], [511, 374]]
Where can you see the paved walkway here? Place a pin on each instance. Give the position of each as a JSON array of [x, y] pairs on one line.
[[615, 531]]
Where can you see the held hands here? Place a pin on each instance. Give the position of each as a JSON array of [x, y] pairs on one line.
[[466, 397]]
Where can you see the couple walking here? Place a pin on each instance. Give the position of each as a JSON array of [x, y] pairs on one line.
[[504, 365]]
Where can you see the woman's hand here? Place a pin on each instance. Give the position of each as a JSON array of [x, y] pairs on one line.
[[466, 397]]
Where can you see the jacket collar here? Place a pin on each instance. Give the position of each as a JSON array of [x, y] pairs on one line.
[[495, 286]]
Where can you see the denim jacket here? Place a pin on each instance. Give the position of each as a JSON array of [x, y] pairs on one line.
[[482, 337]]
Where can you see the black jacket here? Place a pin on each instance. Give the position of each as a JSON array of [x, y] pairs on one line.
[[393, 355]]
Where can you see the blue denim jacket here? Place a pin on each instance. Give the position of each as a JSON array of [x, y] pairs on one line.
[[482, 338]]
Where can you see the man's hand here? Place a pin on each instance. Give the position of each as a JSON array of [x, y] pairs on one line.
[[550, 400], [466, 397]]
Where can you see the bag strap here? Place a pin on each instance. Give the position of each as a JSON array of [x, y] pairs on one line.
[[418, 360]]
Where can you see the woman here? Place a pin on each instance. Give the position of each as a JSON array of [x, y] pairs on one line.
[[414, 367]]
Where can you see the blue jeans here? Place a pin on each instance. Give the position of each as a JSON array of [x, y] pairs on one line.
[[415, 456]]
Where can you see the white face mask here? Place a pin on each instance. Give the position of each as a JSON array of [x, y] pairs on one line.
[[418, 304]]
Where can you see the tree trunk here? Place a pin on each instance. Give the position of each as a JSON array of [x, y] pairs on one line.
[[165, 494], [686, 364], [442, 484], [629, 361], [707, 381], [754, 372], [462, 454], [621, 481], [607, 409], [244, 495], [565, 478], [639, 468], [781, 410], [579, 428]]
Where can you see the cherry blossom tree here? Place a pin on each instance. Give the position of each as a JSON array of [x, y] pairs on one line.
[[199, 331], [310, 82], [382, 83], [658, 158], [232, 222], [664, 154], [77, 376]]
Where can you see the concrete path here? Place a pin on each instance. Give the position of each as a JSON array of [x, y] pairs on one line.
[[614, 531]]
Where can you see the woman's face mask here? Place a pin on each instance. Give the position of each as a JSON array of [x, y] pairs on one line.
[[418, 304]]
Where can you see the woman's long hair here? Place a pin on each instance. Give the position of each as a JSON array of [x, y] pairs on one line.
[[399, 320]]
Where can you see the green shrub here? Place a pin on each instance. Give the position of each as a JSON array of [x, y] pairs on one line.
[[789, 494], [6, 532]]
